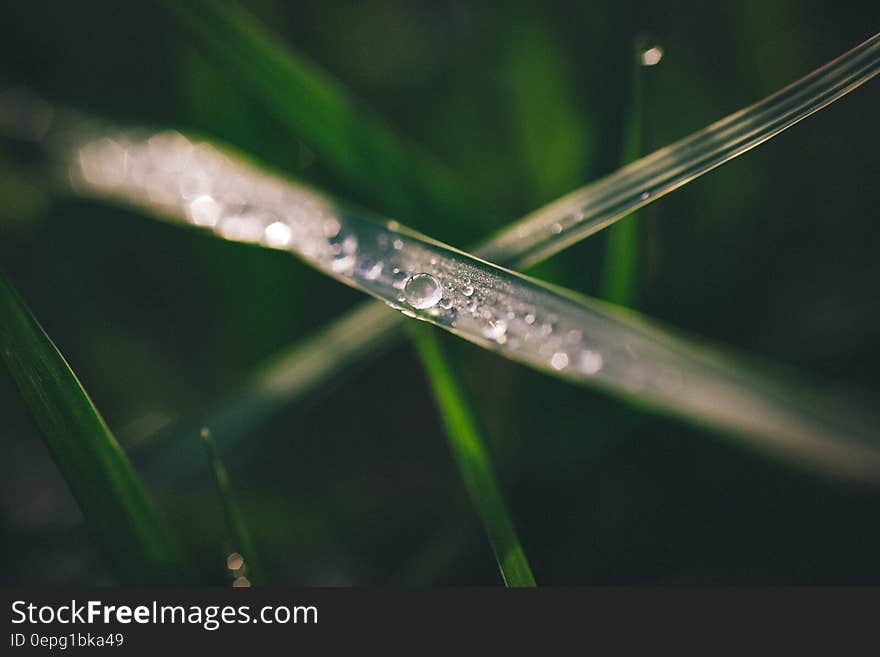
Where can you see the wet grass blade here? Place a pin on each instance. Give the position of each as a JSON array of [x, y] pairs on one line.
[[235, 520], [473, 460], [564, 334], [129, 528]]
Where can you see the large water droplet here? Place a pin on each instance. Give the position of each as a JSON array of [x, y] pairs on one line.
[[422, 291]]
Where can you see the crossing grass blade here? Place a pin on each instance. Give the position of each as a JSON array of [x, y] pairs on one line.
[[135, 538], [473, 460]]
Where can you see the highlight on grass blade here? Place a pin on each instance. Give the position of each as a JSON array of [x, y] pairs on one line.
[[140, 546]]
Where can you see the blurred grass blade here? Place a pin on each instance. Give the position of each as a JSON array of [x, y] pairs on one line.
[[286, 377], [473, 460], [621, 265], [130, 530], [588, 210], [349, 138], [238, 528]]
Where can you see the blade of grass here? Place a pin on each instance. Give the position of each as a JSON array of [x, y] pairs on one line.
[[138, 543], [571, 336], [590, 209], [620, 269], [348, 137], [235, 521], [473, 460]]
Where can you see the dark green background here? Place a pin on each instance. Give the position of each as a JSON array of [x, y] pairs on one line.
[[774, 253]]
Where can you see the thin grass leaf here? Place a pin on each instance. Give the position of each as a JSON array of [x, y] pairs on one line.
[[235, 521], [620, 268], [473, 460], [138, 543], [574, 337]]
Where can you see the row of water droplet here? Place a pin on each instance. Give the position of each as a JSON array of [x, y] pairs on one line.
[[199, 184]]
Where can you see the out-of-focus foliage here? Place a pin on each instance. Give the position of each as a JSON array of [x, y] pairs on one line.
[[124, 520]]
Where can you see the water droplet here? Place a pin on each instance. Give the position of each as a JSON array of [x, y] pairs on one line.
[[445, 303], [559, 360], [342, 264], [277, 234], [397, 244], [529, 318], [349, 244], [645, 196], [556, 228], [652, 56], [205, 211], [495, 328], [468, 289], [591, 361], [399, 278], [369, 269], [422, 291]]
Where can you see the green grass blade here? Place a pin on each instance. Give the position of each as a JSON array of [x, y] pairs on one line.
[[237, 525], [129, 528], [620, 269], [348, 138], [473, 460]]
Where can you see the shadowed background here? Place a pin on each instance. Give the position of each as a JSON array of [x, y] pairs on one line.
[[773, 253]]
